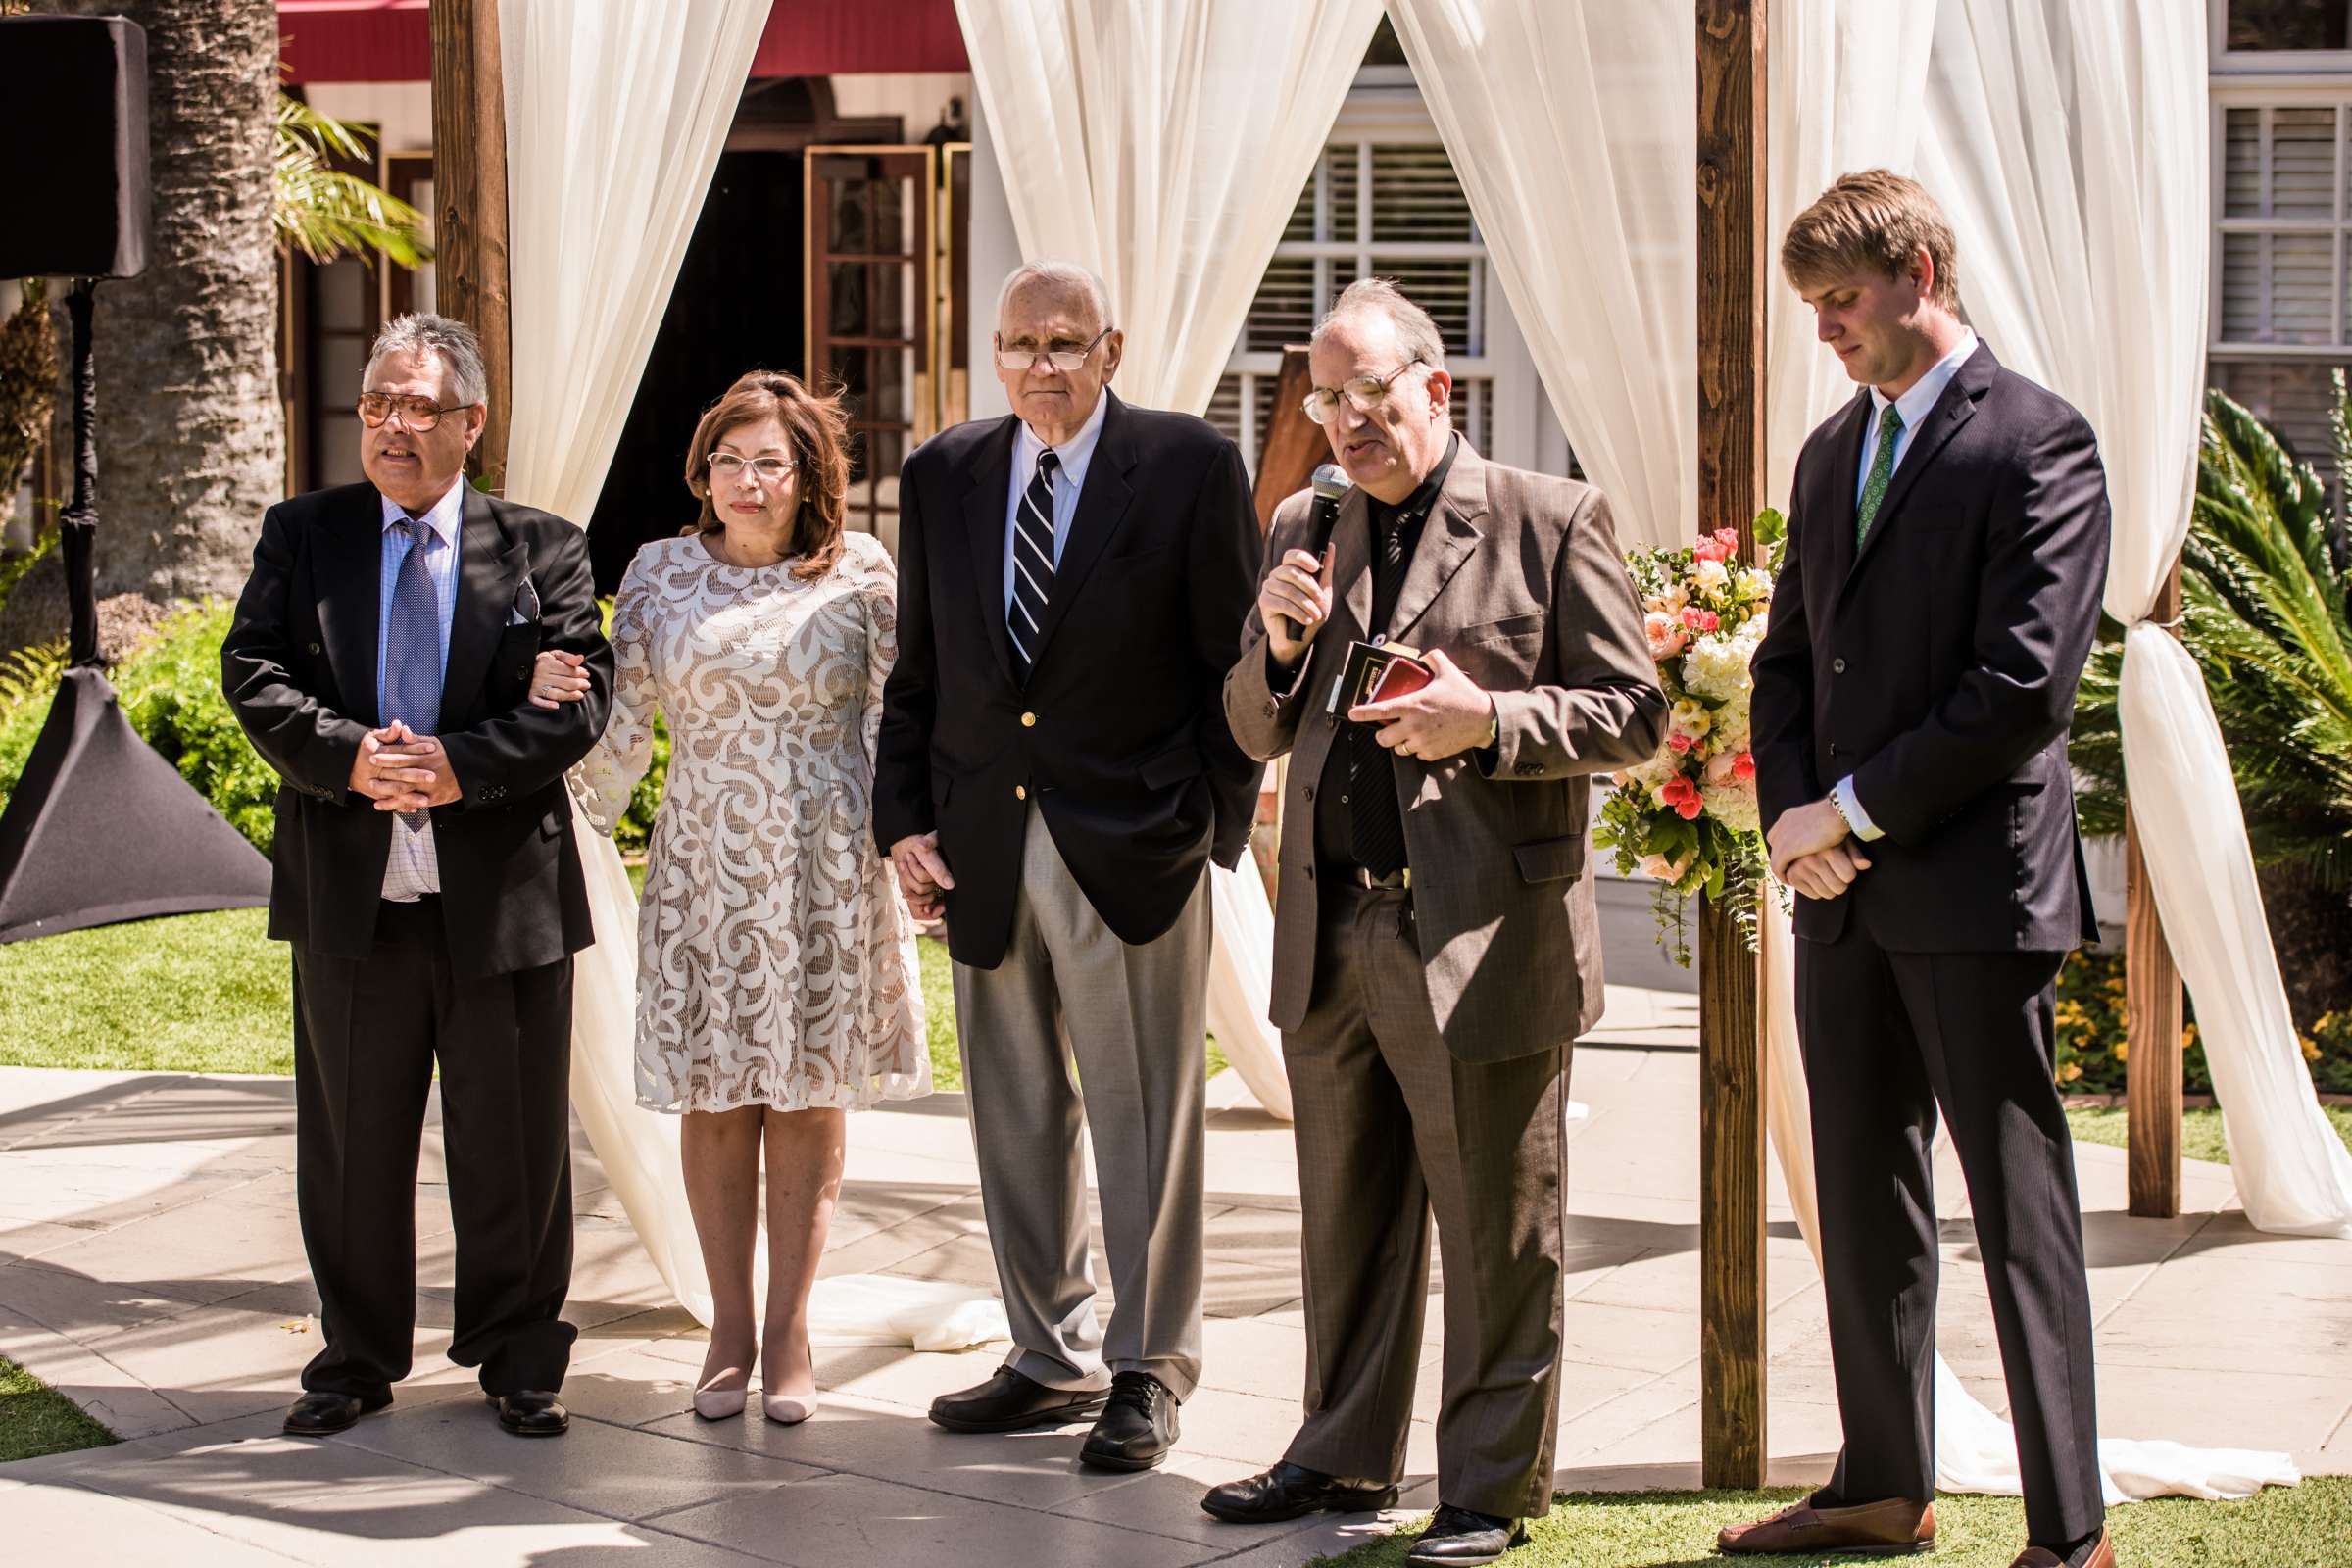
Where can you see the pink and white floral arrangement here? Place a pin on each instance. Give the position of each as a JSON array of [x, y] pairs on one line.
[[1688, 816]]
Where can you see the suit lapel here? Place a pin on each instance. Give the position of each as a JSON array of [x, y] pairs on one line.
[[1954, 409], [489, 566], [1840, 505], [1446, 539], [350, 584], [1101, 507], [986, 505], [1351, 564]]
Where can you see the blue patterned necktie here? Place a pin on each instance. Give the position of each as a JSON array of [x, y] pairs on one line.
[[412, 653], [1032, 564]]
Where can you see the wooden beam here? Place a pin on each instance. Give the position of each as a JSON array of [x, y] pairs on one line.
[[1733, 274], [1293, 444], [2152, 1008], [469, 200]]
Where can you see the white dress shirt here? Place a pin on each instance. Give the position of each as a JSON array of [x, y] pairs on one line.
[[1073, 456], [1914, 406], [415, 869]]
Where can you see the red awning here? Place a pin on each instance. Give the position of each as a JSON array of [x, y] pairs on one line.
[[391, 40]]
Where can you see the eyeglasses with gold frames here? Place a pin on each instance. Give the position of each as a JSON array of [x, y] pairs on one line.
[[1363, 394]]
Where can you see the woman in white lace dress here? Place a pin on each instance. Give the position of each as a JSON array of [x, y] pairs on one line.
[[777, 980]]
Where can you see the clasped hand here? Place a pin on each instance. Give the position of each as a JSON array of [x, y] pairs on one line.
[[1814, 851], [922, 874], [401, 770]]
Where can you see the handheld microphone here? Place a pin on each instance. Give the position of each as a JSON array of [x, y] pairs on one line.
[[1330, 486]]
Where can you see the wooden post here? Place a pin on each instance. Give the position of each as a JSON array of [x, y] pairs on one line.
[[1733, 274], [2152, 1016], [470, 195]]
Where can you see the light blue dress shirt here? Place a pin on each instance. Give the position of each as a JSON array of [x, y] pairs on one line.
[[1914, 406], [1074, 455], [415, 869]]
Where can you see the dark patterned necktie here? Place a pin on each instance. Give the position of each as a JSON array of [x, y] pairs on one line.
[[1882, 473], [1032, 565], [1376, 821], [412, 651]]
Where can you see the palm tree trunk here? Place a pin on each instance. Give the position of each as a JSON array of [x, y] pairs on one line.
[[191, 435]]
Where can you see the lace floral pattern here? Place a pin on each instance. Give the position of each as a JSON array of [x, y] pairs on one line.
[[776, 961]]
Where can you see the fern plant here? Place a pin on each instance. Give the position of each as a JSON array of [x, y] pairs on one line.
[[2265, 615]]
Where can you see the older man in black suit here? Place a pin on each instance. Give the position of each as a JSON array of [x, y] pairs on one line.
[[380, 661], [1056, 772], [1947, 546]]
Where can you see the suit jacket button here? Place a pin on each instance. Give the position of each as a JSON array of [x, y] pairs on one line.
[[1836, 667], [1310, 792], [1832, 748], [1028, 721], [313, 647], [1021, 792], [1273, 708]]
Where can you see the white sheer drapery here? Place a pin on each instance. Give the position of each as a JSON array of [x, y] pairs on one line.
[[615, 116], [2068, 140], [1163, 144], [1573, 126]]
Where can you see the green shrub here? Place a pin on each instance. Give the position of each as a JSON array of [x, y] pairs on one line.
[[2091, 1054], [171, 692]]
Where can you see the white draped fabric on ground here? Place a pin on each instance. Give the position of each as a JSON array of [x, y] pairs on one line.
[[615, 116], [1163, 144], [1604, 106], [2069, 142]]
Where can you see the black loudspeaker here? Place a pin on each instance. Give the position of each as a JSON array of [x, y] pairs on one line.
[[74, 103]]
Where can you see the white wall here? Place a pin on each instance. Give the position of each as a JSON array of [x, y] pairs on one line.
[[403, 110], [915, 97]]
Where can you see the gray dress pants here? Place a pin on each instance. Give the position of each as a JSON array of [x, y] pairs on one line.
[[1133, 1024]]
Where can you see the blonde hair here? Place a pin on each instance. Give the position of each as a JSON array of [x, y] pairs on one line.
[[818, 430], [1874, 220]]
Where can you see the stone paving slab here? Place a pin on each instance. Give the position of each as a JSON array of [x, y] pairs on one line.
[[151, 1267]]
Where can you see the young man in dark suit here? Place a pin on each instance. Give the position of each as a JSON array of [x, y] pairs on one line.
[[1056, 772], [1948, 548], [380, 662]]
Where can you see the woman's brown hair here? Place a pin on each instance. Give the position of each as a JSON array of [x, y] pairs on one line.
[[819, 431]]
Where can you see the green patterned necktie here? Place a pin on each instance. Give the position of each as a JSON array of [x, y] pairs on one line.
[[1881, 470]]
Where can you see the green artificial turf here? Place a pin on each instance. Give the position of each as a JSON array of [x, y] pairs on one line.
[[35, 1419], [2200, 1138], [2285, 1527]]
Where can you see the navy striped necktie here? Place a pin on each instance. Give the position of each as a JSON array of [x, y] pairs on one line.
[[1032, 565]]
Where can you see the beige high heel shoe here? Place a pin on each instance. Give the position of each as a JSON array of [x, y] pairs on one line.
[[791, 1409], [713, 1403]]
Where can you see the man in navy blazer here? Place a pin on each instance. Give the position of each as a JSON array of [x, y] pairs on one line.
[[1947, 546]]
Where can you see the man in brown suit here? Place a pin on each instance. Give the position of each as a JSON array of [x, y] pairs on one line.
[[1436, 947]]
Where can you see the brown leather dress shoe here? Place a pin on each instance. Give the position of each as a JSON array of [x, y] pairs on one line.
[[1895, 1528], [2101, 1556]]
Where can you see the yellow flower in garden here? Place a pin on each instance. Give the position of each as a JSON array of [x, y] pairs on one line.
[[2070, 1072], [2310, 1048], [2122, 1047]]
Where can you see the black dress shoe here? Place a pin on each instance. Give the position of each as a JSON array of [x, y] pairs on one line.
[[1293, 1491], [1136, 1427], [1460, 1536], [317, 1415], [531, 1414], [1010, 1400]]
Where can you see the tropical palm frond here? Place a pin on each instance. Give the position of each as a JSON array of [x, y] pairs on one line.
[[325, 212], [2264, 615]]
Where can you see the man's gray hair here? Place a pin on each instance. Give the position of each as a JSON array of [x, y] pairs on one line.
[[437, 337], [1068, 274], [1416, 333]]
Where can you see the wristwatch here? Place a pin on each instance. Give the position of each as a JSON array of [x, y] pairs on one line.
[[1839, 805]]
